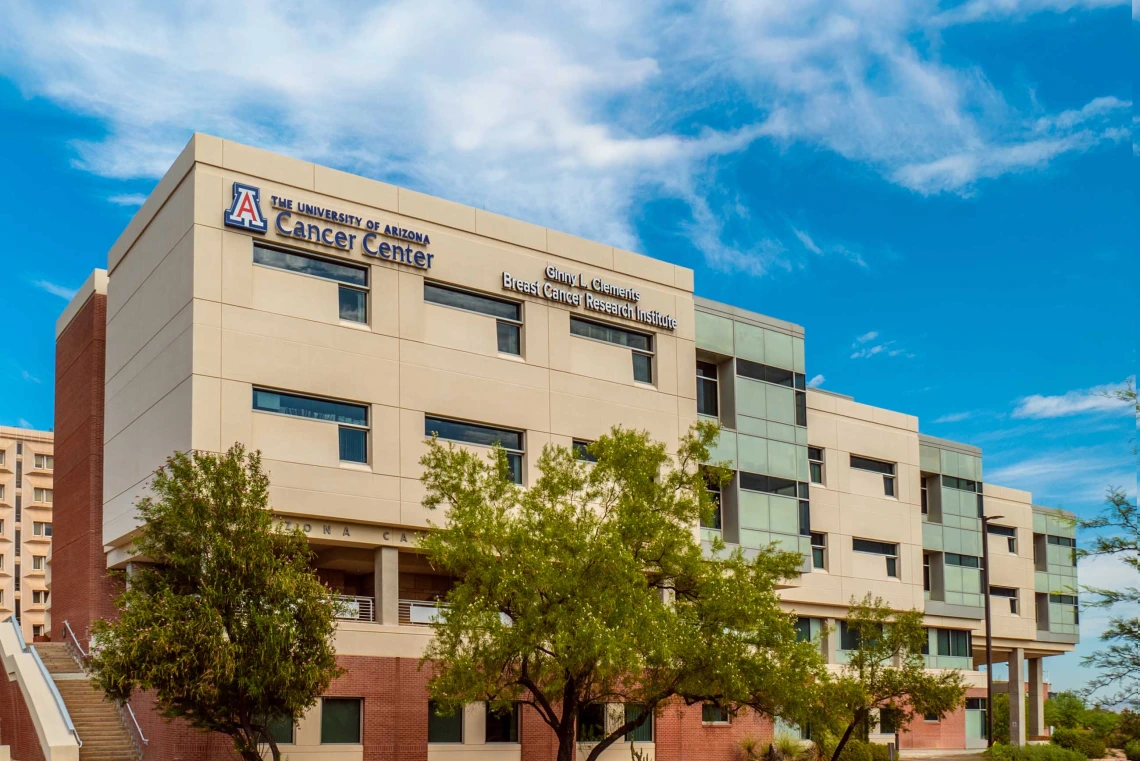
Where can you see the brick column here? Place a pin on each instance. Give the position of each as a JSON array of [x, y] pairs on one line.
[[1036, 727], [1017, 696]]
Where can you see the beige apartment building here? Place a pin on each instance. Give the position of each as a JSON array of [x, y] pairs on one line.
[[334, 322], [27, 464]]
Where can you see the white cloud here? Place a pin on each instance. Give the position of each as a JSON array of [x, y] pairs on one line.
[[1098, 399], [989, 10], [128, 199], [816, 381], [954, 417], [1073, 477], [569, 116], [23, 423], [55, 290], [29, 377], [864, 348]]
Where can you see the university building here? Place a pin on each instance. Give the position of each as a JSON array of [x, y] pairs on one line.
[[27, 469], [334, 323]]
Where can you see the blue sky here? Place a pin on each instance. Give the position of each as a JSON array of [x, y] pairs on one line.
[[939, 192]]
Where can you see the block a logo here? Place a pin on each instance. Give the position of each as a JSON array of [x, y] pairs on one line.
[[245, 209]]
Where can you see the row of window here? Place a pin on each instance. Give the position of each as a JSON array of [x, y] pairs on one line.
[[708, 390], [353, 295], [41, 461]]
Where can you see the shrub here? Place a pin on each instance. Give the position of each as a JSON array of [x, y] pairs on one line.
[[1003, 752], [1132, 750], [788, 748], [879, 751], [1081, 740], [856, 750]]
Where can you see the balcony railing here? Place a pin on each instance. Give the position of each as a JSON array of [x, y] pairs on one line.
[[352, 608], [421, 612]]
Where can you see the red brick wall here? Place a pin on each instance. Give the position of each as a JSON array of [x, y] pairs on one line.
[[949, 733], [16, 727], [681, 736], [81, 590]]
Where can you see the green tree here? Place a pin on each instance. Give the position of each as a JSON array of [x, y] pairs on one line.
[[886, 669], [226, 621], [1065, 710], [590, 589], [1116, 533]]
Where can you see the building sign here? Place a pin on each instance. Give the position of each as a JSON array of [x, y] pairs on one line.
[[245, 213], [576, 289], [352, 533]]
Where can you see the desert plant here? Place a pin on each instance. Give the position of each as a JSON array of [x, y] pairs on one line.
[[1003, 752], [1081, 740], [1132, 750]]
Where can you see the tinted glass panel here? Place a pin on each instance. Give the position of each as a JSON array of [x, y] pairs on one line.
[[889, 486], [815, 453], [713, 714], [876, 466], [503, 727], [473, 433], [508, 337], [340, 721], [768, 484], [444, 729], [353, 444], [1063, 541], [706, 397], [801, 408], [803, 629], [644, 733], [706, 370], [281, 730], [1003, 592], [878, 548], [438, 294], [610, 334], [582, 452], [757, 371], [965, 561], [310, 265], [353, 304], [306, 406], [642, 368], [1001, 530], [805, 518]]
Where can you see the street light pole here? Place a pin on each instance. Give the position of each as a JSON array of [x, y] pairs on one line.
[[989, 630]]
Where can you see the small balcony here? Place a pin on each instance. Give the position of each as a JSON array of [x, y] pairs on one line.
[[355, 608]]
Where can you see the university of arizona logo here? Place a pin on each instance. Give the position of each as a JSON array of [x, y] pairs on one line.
[[245, 210]]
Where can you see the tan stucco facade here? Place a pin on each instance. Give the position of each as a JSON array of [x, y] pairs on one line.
[[27, 461]]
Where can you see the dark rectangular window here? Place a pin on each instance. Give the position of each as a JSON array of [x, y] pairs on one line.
[[17, 548], [644, 733], [925, 572], [591, 723], [714, 495], [503, 726], [641, 343], [930, 717], [805, 518], [19, 447], [875, 466], [877, 548], [353, 304], [767, 373], [19, 474], [975, 704], [306, 264], [19, 507], [960, 484], [965, 561], [507, 313], [803, 629], [1062, 599], [801, 409], [582, 451], [481, 435], [818, 550], [711, 713], [281, 730], [1001, 530], [848, 637], [954, 643], [445, 728], [889, 486], [340, 721], [353, 444], [815, 464], [769, 484], [707, 403], [888, 721], [1008, 593], [925, 498], [1062, 541]]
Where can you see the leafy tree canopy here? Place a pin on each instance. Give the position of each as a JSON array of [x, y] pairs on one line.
[[590, 587], [226, 621], [886, 670]]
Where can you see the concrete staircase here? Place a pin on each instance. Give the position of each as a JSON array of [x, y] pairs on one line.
[[97, 721]]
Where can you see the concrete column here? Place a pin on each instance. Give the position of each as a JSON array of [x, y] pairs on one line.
[[1017, 696], [387, 564], [1036, 726]]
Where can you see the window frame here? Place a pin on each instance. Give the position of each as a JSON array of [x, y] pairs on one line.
[[1014, 603], [649, 722], [516, 719], [44, 462], [39, 562], [366, 427], [43, 495], [366, 270], [714, 381], [360, 724], [892, 558], [459, 714], [516, 323], [721, 712], [816, 464], [890, 482], [821, 547], [650, 352], [520, 454]]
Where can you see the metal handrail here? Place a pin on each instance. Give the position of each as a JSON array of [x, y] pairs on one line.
[[50, 682], [138, 729], [70, 632]]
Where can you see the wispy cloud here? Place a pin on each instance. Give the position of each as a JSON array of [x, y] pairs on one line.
[[128, 199], [954, 417], [1074, 477], [29, 377], [23, 423], [1098, 399], [570, 116], [816, 381], [989, 10], [867, 346], [56, 290]]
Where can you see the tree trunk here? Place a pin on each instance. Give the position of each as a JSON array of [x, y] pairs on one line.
[[566, 743], [846, 735]]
